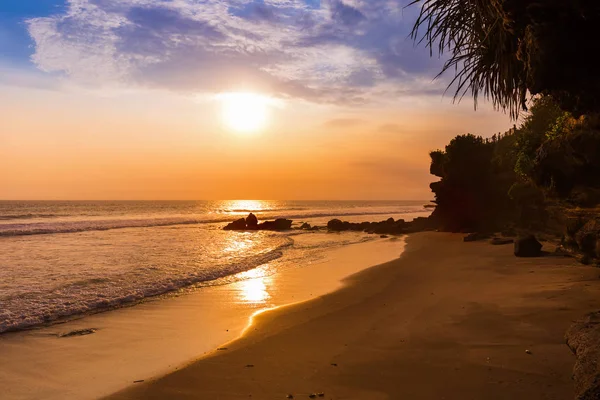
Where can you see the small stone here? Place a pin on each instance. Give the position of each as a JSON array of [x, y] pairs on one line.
[[222, 348], [321, 394], [334, 364], [249, 365], [312, 395], [138, 381], [289, 396], [528, 351]]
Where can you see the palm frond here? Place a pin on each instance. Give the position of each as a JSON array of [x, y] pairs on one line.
[[479, 37]]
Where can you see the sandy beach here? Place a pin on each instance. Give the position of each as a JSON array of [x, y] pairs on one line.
[[448, 320], [157, 337]]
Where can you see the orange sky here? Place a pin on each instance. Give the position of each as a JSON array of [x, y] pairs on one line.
[[124, 100], [79, 144]]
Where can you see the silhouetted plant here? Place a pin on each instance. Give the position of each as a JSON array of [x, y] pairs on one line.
[[505, 49]]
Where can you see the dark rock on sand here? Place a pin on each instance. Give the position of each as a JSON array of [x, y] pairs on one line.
[[306, 226], [78, 332], [528, 247], [583, 338], [251, 221], [475, 236], [500, 241], [238, 225]]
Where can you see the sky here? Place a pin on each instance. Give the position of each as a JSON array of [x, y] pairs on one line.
[[132, 99]]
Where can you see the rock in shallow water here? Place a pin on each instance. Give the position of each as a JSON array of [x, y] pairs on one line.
[[251, 224], [251, 221], [238, 225]]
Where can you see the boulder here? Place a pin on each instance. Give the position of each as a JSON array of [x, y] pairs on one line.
[[238, 225], [528, 247], [587, 237], [335, 225], [306, 225], [280, 224], [251, 221], [500, 241]]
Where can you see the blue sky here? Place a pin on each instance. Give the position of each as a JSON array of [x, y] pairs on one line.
[[16, 45], [323, 51]]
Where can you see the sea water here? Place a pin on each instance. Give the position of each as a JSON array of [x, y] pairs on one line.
[[62, 259]]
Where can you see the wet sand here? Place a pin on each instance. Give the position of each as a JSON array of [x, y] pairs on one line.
[[448, 320], [157, 337]]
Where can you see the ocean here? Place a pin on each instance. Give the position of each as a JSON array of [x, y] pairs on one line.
[[60, 259]]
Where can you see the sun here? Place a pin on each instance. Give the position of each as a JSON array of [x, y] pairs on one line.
[[244, 112]]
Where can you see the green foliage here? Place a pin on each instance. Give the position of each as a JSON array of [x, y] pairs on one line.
[[509, 178], [543, 114]]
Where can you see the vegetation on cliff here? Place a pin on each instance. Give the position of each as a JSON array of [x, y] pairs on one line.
[[543, 175]]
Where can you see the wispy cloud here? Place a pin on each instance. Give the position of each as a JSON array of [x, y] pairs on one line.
[[343, 52]]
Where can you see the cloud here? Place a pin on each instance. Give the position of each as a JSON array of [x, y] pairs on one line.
[[332, 51]]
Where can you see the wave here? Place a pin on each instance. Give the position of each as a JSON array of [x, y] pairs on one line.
[[61, 227], [28, 216], [101, 294]]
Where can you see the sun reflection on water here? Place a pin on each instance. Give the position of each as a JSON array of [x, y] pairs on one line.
[[255, 289], [246, 206]]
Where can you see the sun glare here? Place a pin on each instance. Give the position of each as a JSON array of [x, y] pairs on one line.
[[245, 112]]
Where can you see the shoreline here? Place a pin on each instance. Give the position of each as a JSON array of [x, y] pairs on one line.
[[156, 337], [448, 320]]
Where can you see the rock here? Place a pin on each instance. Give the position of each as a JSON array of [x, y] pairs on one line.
[[78, 332], [251, 221], [335, 225], [500, 241], [321, 394], [583, 338], [306, 226], [241, 224], [312, 395], [528, 351], [238, 225], [472, 237], [419, 224], [528, 247], [384, 236], [289, 396], [587, 237], [280, 224]]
